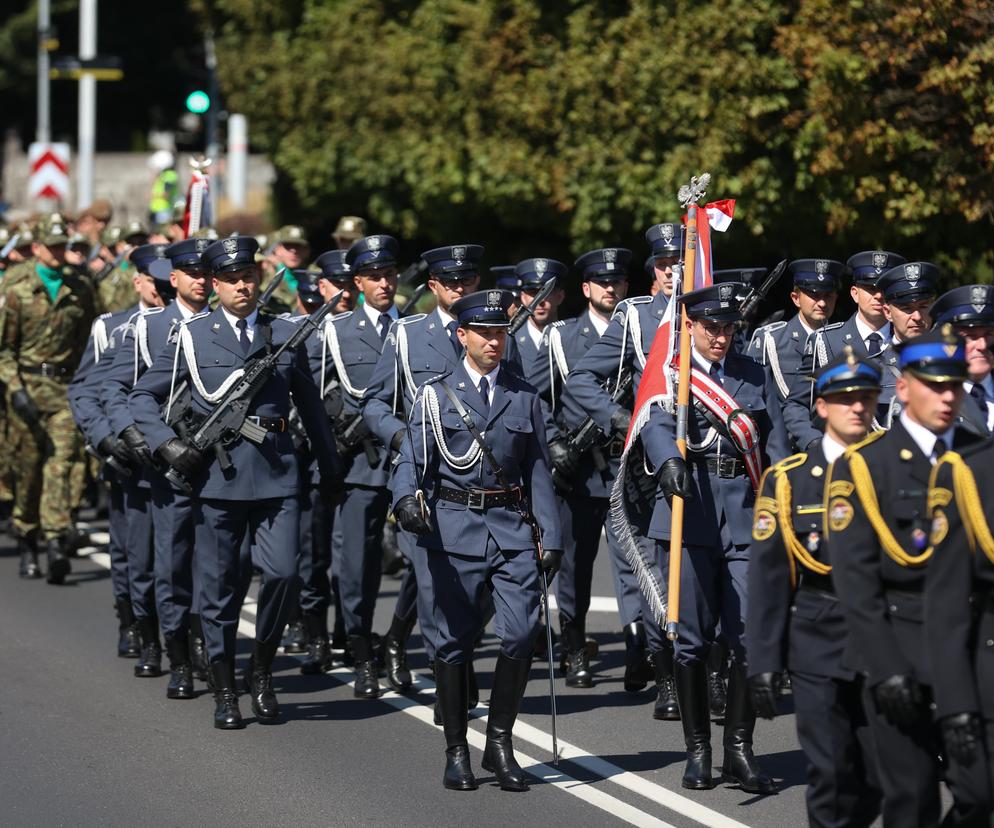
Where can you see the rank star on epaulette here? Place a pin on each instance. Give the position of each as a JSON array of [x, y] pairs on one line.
[[461, 385], [431, 327], [216, 326], [362, 323]]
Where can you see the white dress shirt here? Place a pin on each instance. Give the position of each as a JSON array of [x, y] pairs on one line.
[[249, 326], [475, 377], [600, 325], [865, 330], [374, 315], [925, 439]]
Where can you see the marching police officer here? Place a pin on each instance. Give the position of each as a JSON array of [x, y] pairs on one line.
[[794, 620], [878, 523], [959, 623], [532, 339], [717, 480], [464, 495], [181, 278], [256, 495], [47, 316], [970, 310]]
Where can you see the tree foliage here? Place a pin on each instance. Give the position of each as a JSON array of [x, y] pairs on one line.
[[558, 126]]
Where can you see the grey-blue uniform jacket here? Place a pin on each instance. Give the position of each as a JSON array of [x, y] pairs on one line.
[[269, 470], [722, 500], [782, 347], [636, 318], [358, 346], [515, 433]]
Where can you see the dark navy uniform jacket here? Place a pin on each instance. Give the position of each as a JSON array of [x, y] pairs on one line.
[[266, 471], [514, 430], [796, 625], [84, 390], [578, 336], [719, 500], [359, 347], [587, 393], [882, 599]]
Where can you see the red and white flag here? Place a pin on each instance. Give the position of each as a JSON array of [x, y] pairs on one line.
[[719, 215]]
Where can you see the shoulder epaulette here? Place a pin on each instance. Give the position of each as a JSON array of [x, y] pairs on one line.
[[407, 320], [789, 463], [195, 317], [832, 327], [107, 315], [151, 311], [340, 316], [772, 327], [871, 437], [559, 323]]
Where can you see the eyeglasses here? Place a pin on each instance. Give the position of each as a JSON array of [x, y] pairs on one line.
[[713, 331], [460, 281]]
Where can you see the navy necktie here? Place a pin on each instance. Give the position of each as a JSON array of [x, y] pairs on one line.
[[485, 393], [243, 338], [873, 343], [980, 395], [715, 372], [938, 449], [383, 325], [451, 328]]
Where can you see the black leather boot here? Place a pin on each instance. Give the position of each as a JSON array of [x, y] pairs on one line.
[[510, 678], [58, 560], [667, 707], [393, 558], [296, 635], [395, 653], [637, 669], [692, 693], [128, 640], [227, 716], [180, 671], [717, 669], [740, 766], [198, 649], [473, 697], [318, 659], [28, 547], [150, 661], [574, 647], [264, 703], [452, 690], [367, 685]]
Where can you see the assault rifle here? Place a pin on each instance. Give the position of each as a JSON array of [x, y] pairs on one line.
[[588, 436], [750, 302], [229, 419], [521, 314]]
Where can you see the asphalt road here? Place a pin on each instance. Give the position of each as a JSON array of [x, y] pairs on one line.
[[83, 742]]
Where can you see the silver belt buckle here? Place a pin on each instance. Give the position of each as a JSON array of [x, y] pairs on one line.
[[475, 500]]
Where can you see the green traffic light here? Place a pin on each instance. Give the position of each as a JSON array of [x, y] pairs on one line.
[[198, 101]]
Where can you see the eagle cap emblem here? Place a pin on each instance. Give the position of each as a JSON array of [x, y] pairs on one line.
[[493, 300], [879, 261], [200, 245], [978, 297], [725, 292], [459, 253], [821, 267], [230, 246], [912, 272], [610, 255], [666, 232], [541, 265], [373, 242]]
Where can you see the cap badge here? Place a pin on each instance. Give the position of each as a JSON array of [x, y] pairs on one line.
[[949, 350], [912, 272], [459, 253], [610, 255], [230, 247], [160, 250], [541, 265], [879, 261], [666, 232], [978, 297], [725, 292], [821, 267], [201, 245]]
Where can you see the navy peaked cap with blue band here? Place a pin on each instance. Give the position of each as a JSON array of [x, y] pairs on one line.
[[746, 275], [307, 287], [967, 305], [534, 273], [188, 253], [607, 260], [717, 303], [333, 265], [869, 265], [486, 308], [505, 277], [847, 372], [665, 238], [454, 261], [909, 282], [141, 257], [822, 275], [936, 356], [372, 253], [231, 253]]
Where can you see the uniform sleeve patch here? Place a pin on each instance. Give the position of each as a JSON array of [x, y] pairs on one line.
[[764, 525], [840, 514], [940, 527]]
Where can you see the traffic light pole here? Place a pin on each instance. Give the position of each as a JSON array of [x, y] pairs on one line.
[[87, 104], [213, 148]]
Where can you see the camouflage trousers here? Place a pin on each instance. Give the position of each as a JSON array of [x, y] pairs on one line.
[[43, 468], [7, 452]]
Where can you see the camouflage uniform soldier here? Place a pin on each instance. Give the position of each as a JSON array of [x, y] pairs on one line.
[[116, 290], [348, 230], [290, 249], [46, 319]]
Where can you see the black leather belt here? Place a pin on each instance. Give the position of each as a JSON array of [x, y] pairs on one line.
[[480, 499], [46, 369], [722, 466], [815, 582], [278, 424]]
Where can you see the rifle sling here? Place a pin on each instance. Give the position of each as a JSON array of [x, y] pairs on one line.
[[477, 436]]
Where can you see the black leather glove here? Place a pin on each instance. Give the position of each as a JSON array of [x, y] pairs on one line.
[[620, 421], [113, 447], [177, 454], [408, 514], [552, 559], [398, 439], [900, 699], [562, 458], [24, 407], [137, 446], [674, 479], [765, 690], [961, 736]]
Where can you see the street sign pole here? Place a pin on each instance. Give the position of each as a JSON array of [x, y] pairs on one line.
[[87, 104], [43, 133]]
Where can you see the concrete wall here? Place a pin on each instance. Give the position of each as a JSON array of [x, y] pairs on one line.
[[125, 179]]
